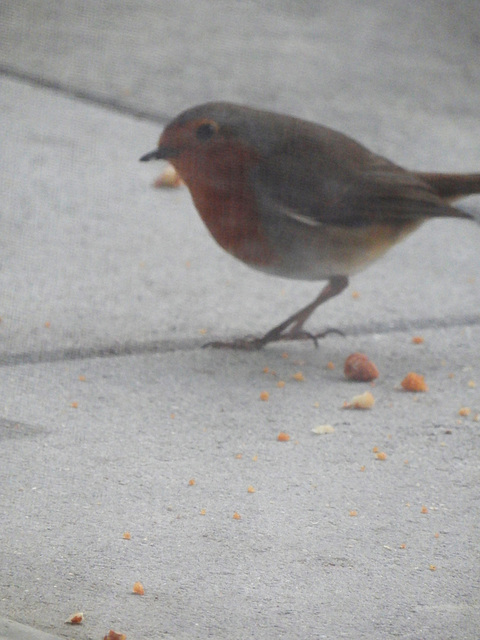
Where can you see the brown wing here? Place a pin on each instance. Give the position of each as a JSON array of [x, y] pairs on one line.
[[329, 178]]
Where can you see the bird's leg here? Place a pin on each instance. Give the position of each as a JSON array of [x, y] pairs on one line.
[[296, 321], [335, 285]]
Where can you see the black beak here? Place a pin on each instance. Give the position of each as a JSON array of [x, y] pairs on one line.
[[162, 153]]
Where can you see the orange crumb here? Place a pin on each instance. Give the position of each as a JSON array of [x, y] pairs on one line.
[[250, 489], [82, 378], [127, 535], [299, 376], [191, 482], [47, 325], [418, 339], [353, 513], [281, 384], [414, 382], [239, 456], [363, 467], [464, 411], [172, 416], [472, 384], [285, 355], [236, 516], [355, 295], [403, 545], [432, 567], [266, 369], [424, 509], [113, 635], [264, 395], [375, 449], [138, 589], [283, 437], [75, 618], [74, 405], [381, 455], [203, 512], [255, 458], [358, 367], [330, 365], [436, 535]]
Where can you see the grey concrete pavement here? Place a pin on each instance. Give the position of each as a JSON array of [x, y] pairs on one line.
[[108, 288]]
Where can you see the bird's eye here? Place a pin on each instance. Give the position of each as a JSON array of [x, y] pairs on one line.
[[206, 130]]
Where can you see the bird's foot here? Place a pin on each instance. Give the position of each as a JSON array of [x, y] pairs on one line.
[[255, 344], [295, 334]]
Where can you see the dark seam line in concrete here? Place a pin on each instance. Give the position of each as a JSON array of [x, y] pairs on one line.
[[112, 104], [168, 346]]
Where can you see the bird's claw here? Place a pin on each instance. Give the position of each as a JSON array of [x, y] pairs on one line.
[[255, 344]]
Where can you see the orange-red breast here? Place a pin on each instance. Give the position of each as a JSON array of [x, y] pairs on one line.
[[297, 199]]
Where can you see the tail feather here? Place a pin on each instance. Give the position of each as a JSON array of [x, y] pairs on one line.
[[451, 186]]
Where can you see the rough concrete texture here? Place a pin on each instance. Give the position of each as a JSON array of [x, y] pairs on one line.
[[108, 288]]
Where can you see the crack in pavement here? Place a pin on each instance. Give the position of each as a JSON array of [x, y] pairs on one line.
[[167, 346]]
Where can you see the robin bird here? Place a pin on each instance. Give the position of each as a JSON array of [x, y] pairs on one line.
[[299, 200]]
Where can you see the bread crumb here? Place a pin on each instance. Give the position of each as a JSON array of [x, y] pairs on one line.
[[138, 589], [362, 401], [113, 635], [358, 367], [168, 179], [75, 618], [414, 382], [323, 428]]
